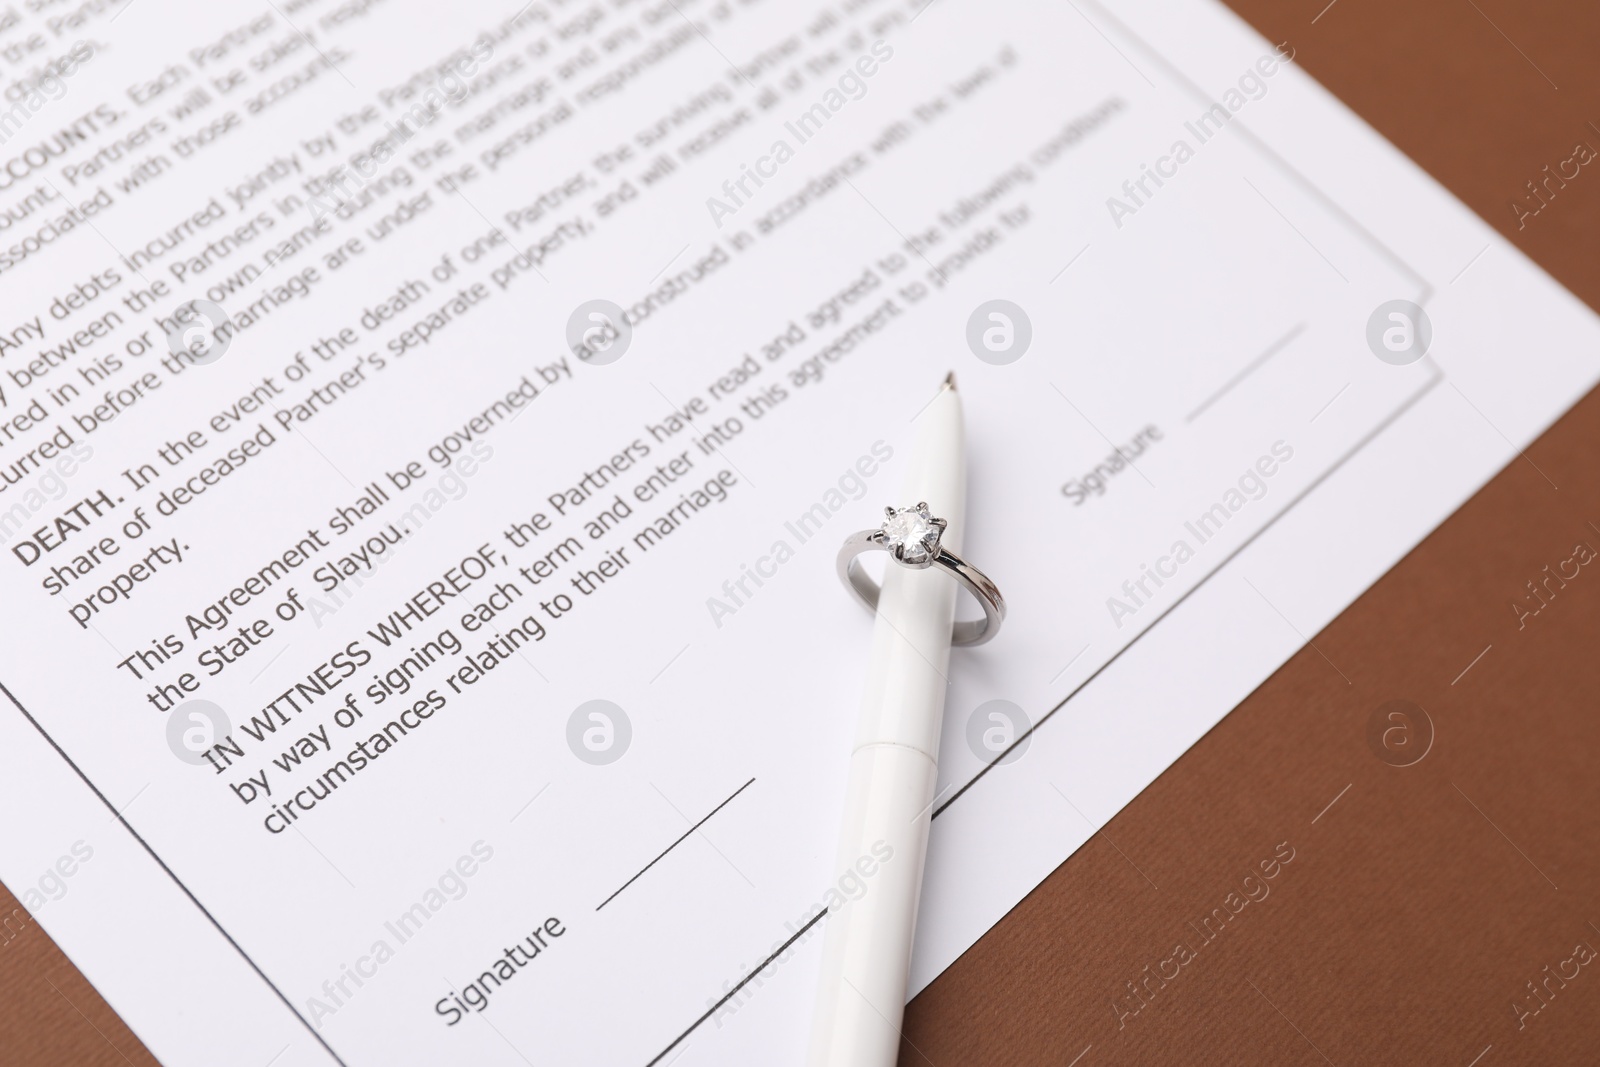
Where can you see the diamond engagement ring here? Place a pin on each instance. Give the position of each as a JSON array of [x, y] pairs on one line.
[[911, 536]]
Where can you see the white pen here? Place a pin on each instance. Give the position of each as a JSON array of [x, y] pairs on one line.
[[866, 952]]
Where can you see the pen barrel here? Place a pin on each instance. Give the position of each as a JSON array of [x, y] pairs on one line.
[[866, 952], [883, 843]]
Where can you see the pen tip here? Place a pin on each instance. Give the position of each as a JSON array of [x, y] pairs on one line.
[[950, 381]]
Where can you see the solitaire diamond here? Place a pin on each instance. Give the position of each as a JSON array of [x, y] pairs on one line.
[[912, 534]]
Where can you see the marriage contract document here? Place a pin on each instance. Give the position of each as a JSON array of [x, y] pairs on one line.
[[427, 429]]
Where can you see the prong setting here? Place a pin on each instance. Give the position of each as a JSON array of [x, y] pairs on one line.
[[912, 535]]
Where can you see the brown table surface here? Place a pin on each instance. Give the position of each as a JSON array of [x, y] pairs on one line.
[[1421, 903]]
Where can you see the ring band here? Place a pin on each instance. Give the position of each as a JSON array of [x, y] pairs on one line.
[[911, 537]]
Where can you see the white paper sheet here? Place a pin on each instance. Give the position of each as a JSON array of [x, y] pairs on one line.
[[992, 153]]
